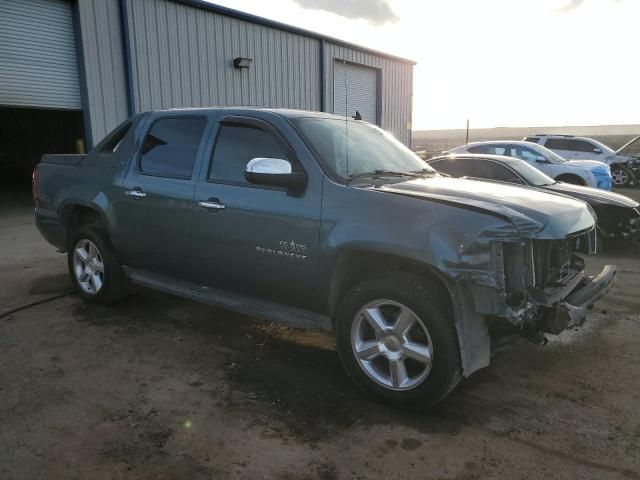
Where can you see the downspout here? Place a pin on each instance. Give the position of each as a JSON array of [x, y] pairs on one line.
[[126, 51], [322, 79]]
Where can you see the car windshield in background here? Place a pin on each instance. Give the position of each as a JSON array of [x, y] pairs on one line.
[[532, 175], [547, 154], [351, 149]]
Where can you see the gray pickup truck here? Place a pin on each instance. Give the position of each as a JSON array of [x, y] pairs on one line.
[[316, 221]]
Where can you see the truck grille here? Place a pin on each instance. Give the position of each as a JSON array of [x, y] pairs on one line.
[[555, 262]]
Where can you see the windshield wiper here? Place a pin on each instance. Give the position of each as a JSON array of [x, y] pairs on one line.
[[387, 173], [424, 171]]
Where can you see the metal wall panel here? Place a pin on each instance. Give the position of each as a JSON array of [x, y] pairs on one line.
[[38, 66], [395, 87], [104, 65], [182, 56], [355, 88]]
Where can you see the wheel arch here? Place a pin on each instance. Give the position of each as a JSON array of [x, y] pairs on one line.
[[354, 266], [74, 215], [571, 176]]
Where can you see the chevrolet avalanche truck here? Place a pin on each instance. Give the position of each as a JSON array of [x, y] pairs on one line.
[[317, 221]]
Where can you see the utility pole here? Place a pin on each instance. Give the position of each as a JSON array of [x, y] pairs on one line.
[[467, 141]]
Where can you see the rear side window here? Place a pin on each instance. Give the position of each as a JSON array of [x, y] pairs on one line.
[[171, 146], [479, 149], [236, 145], [558, 144], [489, 149], [446, 166], [532, 139]]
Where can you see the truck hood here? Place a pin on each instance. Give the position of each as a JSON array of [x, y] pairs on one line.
[[593, 196], [534, 213]]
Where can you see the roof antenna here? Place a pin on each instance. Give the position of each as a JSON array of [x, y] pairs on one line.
[[357, 116], [346, 116]]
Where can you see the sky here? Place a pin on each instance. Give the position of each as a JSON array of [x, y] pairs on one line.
[[498, 63]]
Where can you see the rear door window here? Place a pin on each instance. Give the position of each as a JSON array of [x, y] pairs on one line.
[[525, 153], [456, 167], [583, 146], [569, 144], [495, 171], [171, 146]]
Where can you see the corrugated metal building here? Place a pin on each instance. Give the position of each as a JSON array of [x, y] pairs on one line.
[[75, 69]]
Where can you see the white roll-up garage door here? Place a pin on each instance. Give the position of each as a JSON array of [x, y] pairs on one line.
[[355, 87], [38, 64]]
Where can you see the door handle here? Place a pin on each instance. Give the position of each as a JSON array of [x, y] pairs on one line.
[[212, 204], [135, 194]]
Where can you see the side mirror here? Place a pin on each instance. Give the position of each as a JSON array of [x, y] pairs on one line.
[[541, 160], [597, 150], [275, 172]]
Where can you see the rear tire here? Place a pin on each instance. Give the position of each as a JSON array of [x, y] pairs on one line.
[[411, 357], [94, 268]]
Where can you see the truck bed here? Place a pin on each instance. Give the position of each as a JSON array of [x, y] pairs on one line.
[[63, 159]]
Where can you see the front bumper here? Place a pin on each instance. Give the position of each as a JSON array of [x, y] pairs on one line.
[[593, 288], [571, 312]]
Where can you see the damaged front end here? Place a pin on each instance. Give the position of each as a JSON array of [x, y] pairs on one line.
[[511, 260], [531, 287], [544, 284], [618, 222]]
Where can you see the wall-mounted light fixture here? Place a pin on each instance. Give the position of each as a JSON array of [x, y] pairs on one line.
[[242, 62]]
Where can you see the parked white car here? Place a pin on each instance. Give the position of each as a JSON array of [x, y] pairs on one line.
[[623, 162], [589, 173]]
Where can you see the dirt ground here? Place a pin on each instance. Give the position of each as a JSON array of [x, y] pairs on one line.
[[161, 388]]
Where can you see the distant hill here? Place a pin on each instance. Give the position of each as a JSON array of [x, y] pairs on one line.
[[438, 140]]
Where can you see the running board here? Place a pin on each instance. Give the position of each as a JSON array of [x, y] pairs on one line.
[[255, 307]]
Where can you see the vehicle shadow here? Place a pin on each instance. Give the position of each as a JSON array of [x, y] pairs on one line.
[[292, 376]]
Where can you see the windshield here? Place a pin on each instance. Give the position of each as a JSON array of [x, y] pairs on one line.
[[367, 150], [532, 175], [546, 153]]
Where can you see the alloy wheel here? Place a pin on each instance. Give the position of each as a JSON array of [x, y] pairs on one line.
[[392, 345], [619, 176], [88, 266]]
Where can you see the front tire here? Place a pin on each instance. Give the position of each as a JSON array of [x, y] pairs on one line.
[[621, 176], [397, 340], [94, 267]]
